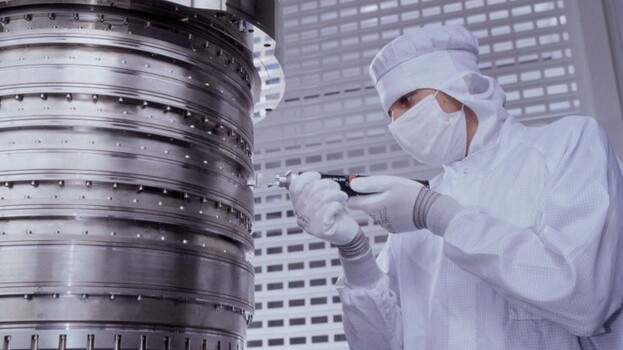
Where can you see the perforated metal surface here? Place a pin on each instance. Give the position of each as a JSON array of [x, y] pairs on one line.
[[125, 213]]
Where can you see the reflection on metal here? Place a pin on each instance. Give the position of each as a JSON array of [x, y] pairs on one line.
[[126, 145]]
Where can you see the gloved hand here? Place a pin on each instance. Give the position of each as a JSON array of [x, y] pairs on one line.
[[392, 202], [319, 207]]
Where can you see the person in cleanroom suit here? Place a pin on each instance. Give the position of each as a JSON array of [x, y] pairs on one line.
[[516, 245]]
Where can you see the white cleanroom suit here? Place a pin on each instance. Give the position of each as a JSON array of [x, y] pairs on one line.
[[532, 261], [522, 245]]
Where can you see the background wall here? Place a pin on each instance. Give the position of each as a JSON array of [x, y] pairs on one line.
[[613, 10], [552, 57], [597, 52]]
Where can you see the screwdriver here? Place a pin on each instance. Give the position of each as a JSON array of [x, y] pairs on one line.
[[342, 180]]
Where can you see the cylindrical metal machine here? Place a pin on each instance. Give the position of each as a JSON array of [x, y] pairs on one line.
[[125, 150]]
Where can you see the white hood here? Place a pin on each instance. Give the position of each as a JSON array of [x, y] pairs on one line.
[[446, 59]]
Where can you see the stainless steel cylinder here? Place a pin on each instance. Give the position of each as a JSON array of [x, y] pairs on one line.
[[125, 150]]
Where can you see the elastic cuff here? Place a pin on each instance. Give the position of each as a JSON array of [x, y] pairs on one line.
[[423, 202], [355, 248], [361, 271], [441, 212]]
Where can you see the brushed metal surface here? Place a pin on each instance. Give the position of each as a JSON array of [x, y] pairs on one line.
[[125, 153], [236, 21]]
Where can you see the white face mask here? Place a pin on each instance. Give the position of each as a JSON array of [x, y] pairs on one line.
[[429, 134]]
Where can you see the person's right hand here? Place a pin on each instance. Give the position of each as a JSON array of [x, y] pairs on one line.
[[319, 208], [389, 200]]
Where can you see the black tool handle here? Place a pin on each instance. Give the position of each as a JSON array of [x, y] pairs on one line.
[[344, 182]]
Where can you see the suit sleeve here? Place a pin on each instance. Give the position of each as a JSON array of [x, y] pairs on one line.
[[372, 316], [565, 268]]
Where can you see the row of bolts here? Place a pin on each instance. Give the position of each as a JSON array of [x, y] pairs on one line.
[[232, 133], [62, 344], [231, 210], [100, 18]]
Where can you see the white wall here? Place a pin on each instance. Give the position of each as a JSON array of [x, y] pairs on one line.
[[614, 21], [596, 61]]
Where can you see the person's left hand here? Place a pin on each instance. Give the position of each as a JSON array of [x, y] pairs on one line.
[[390, 201]]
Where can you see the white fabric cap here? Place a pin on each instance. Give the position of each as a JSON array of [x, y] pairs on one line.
[[442, 58], [431, 55]]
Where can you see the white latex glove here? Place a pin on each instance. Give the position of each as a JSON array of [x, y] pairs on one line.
[[391, 202], [319, 207]]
